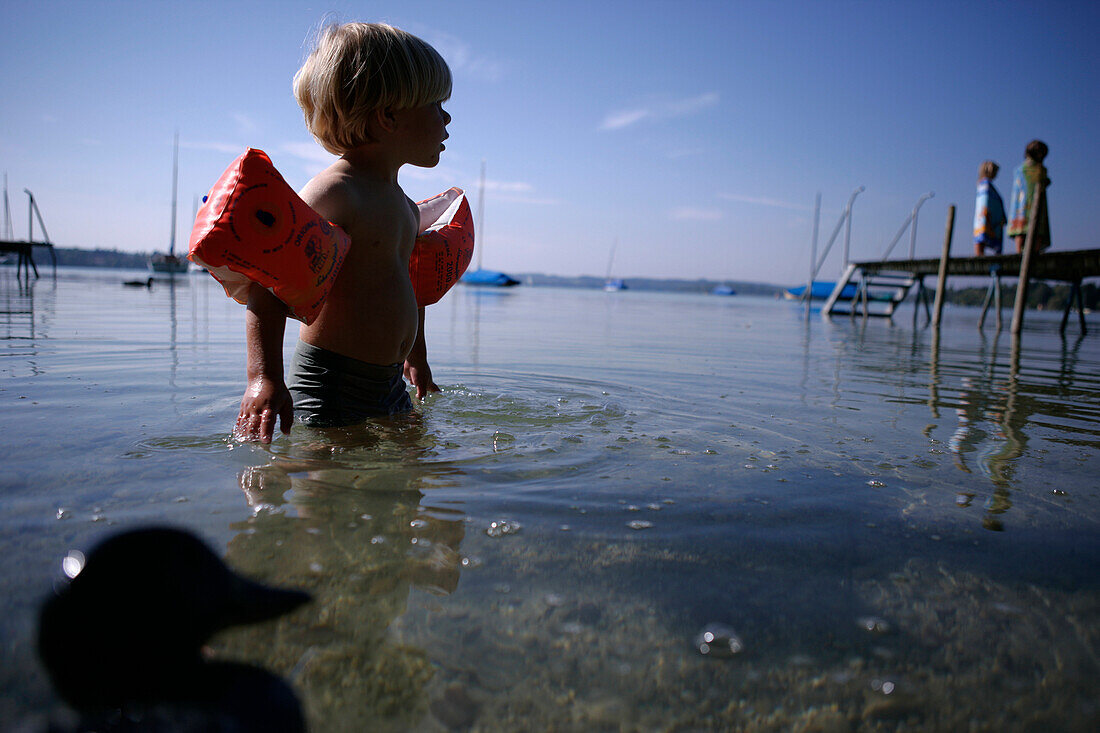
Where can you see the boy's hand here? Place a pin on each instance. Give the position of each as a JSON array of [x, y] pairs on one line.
[[419, 375], [263, 400]]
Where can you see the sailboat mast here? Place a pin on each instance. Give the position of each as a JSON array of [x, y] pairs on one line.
[[611, 258], [175, 179], [9, 232], [481, 214]]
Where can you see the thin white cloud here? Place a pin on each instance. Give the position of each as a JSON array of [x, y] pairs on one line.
[[514, 192], [508, 186], [308, 151], [762, 201], [691, 105], [618, 120], [531, 200], [218, 147], [660, 110], [245, 125], [459, 55], [689, 213]]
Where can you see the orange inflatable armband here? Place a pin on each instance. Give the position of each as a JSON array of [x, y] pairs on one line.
[[254, 228], [444, 247]]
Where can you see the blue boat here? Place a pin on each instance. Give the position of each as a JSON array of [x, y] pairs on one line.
[[480, 277], [489, 278], [822, 289], [723, 290]]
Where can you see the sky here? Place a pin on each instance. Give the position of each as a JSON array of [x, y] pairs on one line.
[[695, 135]]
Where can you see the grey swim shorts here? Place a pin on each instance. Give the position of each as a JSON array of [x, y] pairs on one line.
[[330, 389]]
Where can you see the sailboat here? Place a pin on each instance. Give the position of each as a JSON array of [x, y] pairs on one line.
[[170, 263], [480, 276], [611, 284]]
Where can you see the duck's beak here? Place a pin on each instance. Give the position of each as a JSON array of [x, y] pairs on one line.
[[251, 602]]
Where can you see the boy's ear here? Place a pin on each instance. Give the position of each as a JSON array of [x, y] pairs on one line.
[[385, 119]]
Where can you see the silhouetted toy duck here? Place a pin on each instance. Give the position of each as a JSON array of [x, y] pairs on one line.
[[122, 639]]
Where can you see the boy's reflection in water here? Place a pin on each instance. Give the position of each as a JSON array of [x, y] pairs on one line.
[[984, 429], [992, 415], [357, 537]]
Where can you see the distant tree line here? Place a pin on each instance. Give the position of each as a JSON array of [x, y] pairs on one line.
[[1040, 294], [98, 258]]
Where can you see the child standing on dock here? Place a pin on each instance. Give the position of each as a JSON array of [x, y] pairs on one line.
[[989, 212], [1023, 193], [373, 95]]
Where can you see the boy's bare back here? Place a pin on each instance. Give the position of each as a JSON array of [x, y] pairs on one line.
[[371, 312]]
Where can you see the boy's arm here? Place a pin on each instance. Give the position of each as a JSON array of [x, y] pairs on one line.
[[266, 396], [417, 370]]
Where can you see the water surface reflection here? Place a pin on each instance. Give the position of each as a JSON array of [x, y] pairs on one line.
[[344, 516]]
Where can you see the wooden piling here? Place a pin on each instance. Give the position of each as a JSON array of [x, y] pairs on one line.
[[941, 277], [1025, 262]]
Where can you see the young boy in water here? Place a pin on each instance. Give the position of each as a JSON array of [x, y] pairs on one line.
[[373, 95]]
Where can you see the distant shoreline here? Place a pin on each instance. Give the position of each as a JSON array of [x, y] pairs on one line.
[[110, 258], [1041, 295]]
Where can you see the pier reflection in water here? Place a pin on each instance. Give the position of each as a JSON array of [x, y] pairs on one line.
[[996, 406]]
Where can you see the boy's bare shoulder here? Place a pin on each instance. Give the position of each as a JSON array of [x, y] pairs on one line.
[[356, 204], [333, 194]]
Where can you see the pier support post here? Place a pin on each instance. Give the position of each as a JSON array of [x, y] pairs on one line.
[[994, 295], [1076, 300], [1025, 262], [941, 278]]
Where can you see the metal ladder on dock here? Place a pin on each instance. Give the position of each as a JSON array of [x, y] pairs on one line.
[[876, 294]]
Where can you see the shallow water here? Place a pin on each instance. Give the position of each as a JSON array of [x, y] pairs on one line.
[[899, 530]]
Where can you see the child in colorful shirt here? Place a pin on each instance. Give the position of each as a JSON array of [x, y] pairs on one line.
[[1023, 193], [989, 212]]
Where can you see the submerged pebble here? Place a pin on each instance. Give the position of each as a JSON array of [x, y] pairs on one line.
[[455, 709], [502, 441], [502, 527], [719, 641], [874, 624], [886, 687]]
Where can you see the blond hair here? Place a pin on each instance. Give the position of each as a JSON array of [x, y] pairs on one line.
[[357, 68], [988, 169]]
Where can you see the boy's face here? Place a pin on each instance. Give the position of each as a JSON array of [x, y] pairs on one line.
[[424, 129]]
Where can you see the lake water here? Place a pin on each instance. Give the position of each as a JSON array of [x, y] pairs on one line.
[[900, 529]]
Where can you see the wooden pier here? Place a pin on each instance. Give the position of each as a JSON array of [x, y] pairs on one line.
[[25, 249], [883, 285], [1064, 266], [887, 282], [25, 253]]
